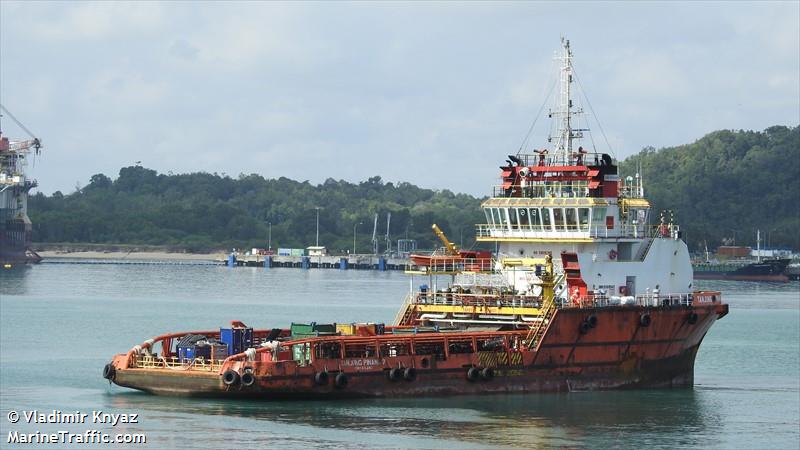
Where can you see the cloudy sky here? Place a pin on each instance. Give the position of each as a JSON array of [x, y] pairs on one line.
[[432, 93]]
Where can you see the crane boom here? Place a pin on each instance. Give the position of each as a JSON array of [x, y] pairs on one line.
[[451, 248]]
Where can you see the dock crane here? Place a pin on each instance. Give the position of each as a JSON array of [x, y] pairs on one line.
[[375, 235], [386, 238]]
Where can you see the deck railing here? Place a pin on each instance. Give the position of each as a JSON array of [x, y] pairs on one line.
[[160, 362]]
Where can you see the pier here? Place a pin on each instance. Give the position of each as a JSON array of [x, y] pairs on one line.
[[341, 262]]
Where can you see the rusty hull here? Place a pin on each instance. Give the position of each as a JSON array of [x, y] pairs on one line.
[[618, 353]]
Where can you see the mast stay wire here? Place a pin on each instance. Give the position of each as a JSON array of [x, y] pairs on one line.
[[539, 113], [19, 124], [596, 119]]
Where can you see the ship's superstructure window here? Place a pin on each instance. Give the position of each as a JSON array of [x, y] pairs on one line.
[[572, 219], [558, 219], [583, 218], [547, 219]]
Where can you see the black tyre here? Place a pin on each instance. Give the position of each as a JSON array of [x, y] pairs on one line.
[[584, 327], [473, 374], [395, 374], [340, 381], [645, 320], [231, 378], [592, 320], [410, 374], [109, 371], [321, 378], [692, 318], [248, 379], [487, 373]]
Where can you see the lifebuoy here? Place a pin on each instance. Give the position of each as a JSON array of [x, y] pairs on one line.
[[410, 374], [613, 254], [321, 378], [644, 320], [340, 381], [231, 378], [473, 373], [109, 371], [487, 373], [248, 379]]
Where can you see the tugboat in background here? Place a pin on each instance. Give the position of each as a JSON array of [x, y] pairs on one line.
[[15, 226]]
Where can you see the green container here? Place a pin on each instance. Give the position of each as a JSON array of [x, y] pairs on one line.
[[302, 328]]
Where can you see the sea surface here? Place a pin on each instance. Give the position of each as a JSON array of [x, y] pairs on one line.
[[60, 323]]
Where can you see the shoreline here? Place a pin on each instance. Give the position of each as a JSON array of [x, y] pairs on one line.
[[155, 255]]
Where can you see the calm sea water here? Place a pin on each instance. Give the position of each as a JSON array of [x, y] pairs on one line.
[[60, 323]]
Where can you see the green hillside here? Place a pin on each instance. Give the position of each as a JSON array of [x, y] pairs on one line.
[[728, 184], [202, 212], [725, 185]]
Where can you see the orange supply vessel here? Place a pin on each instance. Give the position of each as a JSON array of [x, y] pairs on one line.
[[585, 291]]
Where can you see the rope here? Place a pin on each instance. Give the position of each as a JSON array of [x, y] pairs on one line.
[[599, 125], [539, 113], [19, 124]]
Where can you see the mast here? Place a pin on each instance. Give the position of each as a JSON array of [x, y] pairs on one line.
[[564, 111]]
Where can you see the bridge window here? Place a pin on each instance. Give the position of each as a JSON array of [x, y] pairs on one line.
[[583, 218], [558, 219], [512, 217], [547, 219], [524, 219], [572, 219], [535, 218]]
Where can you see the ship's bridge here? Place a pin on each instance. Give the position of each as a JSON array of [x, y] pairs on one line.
[[565, 217]]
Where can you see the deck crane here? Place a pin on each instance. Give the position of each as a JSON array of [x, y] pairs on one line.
[[375, 235], [19, 146], [451, 248]]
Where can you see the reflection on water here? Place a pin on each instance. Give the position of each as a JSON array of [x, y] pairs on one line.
[[566, 420], [14, 280]]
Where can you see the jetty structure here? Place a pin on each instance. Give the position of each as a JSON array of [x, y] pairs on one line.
[[15, 225], [585, 292]]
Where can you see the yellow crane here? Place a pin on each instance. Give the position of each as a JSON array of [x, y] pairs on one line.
[[451, 248]]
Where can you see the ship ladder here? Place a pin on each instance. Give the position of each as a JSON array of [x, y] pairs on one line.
[[537, 329], [406, 311]]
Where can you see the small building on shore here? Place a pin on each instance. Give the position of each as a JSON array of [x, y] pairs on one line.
[[317, 251]]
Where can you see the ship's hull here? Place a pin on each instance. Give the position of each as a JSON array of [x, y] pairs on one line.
[[618, 353], [15, 243], [768, 270]]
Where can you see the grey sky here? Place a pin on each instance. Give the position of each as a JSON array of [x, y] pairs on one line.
[[432, 93]]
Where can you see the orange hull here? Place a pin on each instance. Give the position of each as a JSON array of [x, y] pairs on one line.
[[619, 352]]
